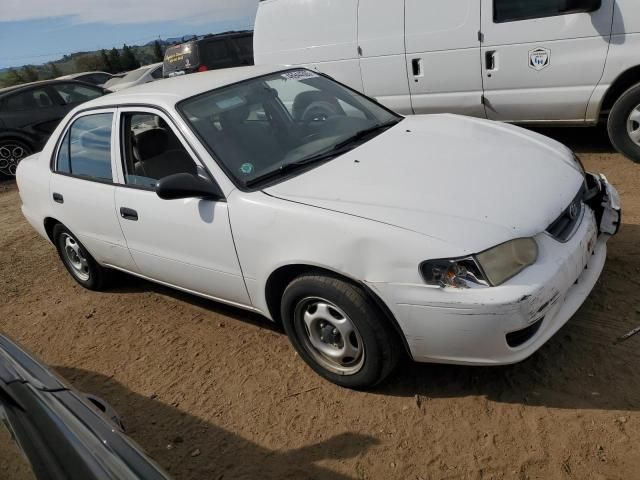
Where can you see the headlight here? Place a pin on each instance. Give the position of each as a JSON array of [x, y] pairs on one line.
[[490, 268], [508, 259]]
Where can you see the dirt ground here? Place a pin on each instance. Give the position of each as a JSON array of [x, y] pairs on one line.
[[212, 392]]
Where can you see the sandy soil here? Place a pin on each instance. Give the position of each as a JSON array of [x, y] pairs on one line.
[[212, 392]]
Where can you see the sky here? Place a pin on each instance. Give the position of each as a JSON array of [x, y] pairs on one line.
[[38, 31]]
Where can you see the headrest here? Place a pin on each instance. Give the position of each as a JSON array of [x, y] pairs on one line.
[[150, 143], [230, 118]]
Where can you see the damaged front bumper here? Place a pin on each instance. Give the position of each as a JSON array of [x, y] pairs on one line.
[[506, 324]]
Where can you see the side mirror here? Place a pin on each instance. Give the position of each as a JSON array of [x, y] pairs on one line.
[[575, 6], [187, 185]]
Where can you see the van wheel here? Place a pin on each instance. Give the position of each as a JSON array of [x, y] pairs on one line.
[[339, 331], [11, 153], [78, 261], [624, 124]]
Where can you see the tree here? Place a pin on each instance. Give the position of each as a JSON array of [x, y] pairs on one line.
[[158, 52], [129, 61], [106, 63], [54, 71], [29, 73], [13, 77], [88, 63], [114, 60]]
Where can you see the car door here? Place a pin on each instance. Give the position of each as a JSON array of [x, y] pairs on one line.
[[443, 56], [184, 243], [540, 61], [382, 53], [82, 189], [33, 110]]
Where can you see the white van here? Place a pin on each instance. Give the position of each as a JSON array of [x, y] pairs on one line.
[[559, 62]]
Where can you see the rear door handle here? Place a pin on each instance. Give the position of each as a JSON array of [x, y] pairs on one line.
[[58, 198], [490, 60], [128, 214]]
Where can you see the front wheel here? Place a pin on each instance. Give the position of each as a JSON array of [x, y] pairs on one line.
[[624, 124], [339, 331], [78, 261]]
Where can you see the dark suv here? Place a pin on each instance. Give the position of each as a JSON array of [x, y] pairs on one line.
[[30, 112], [226, 50]]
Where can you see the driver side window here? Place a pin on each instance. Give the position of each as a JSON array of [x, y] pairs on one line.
[[151, 151]]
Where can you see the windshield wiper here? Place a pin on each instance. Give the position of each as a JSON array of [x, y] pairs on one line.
[[363, 133], [288, 167], [336, 150]]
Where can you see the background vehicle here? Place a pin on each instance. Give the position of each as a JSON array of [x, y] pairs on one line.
[[95, 78], [64, 433], [568, 62], [321, 221], [145, 74], [30, 112], [226, 50]]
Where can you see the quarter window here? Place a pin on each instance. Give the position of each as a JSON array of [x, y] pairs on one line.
[[151, 150], [514, 10], [85, 150]]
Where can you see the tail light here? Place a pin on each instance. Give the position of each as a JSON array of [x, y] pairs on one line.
[[202, 68]]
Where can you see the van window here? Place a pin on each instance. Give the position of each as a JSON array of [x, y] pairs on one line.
[[215, 54], [511, 11], [85, 150]]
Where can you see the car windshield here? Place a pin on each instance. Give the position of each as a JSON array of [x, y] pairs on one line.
[[263, 128]]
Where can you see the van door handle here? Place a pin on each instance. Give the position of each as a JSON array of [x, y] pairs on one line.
[[490, 60], [416, 66], [128, 214], [58, 198]]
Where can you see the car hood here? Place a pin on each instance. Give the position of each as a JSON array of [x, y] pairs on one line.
[[469, 182]]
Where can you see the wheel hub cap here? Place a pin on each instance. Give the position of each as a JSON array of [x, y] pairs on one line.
[[330, 336], [633, 125], [10, 156], [76, 258]]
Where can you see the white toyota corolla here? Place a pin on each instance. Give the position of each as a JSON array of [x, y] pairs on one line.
[[366, 234]]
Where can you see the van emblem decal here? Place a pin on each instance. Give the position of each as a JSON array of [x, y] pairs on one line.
[[539, 58]]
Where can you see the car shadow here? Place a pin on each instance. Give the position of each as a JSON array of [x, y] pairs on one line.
[[199, 449], [580, 139]]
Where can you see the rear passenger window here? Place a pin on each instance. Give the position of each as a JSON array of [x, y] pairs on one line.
[[151, 150], [75, 93], [85, 150], [29, 100], [514, 10]]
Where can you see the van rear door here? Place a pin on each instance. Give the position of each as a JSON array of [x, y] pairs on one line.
[[541, 63], [443, 56], [181, 59]]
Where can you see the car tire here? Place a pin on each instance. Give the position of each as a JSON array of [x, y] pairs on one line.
[[624, 124], [339, 331], [78, 261], [11, 154]]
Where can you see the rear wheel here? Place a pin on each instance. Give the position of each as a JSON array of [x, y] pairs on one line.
[[78, 261], [11, 153], [339, 331], [624, 124]]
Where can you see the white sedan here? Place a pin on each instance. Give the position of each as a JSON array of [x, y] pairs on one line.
[[367, 235], [145, 74]]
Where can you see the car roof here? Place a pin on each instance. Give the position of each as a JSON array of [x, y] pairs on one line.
[[40, 83], [168, 92]]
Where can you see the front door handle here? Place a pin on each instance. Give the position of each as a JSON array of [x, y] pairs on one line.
[[128, 214], [58, 198]]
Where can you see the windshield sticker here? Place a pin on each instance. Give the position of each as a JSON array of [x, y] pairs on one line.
[[246, 168], [298, 75]]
